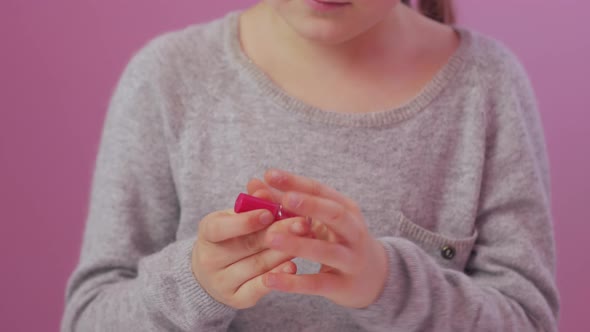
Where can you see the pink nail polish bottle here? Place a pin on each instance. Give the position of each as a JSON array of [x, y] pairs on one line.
[[246, 202]]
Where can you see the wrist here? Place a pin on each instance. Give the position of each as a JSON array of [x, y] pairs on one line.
[[379, 269]]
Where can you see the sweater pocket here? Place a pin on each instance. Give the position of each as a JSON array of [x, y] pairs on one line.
[[449, 252]]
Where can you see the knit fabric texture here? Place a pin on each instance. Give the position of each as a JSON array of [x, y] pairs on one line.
[[455, 184]]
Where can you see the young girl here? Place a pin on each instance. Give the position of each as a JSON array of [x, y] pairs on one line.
[[412, 150]]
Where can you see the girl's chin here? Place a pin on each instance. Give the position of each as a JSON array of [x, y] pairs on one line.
[[329, 33]]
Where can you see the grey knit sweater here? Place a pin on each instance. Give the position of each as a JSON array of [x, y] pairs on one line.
[[455, 184]]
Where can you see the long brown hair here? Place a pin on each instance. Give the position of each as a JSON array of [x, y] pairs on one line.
[[439, 10]]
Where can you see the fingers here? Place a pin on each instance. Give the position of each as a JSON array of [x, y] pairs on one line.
[[296, 225], [285, 181], [235, 249], [250, 267], [258, 188], [263, 194], [328, 253], [257, 264], [254, 289], [323, 284], [331, 213], [222, 226]]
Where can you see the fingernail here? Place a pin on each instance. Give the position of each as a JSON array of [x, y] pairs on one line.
[[288, 269], [297, 228], [294, 201], [266, 218], [276, 176]]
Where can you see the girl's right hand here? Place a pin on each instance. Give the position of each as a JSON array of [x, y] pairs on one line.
[[230, 257]]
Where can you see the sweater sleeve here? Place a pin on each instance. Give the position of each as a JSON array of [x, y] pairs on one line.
[[133, 275], [508, 283]]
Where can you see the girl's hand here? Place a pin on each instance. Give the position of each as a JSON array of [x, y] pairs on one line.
[[354, 264], [230, 258]]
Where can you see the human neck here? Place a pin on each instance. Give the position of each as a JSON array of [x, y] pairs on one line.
[[381, 45]]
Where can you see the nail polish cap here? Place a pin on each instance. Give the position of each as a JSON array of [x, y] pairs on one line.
[[245, 203]]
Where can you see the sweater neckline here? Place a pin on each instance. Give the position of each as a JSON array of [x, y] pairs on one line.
[[383, 118]]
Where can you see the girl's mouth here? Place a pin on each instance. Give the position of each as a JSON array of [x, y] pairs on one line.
[[327, 5]]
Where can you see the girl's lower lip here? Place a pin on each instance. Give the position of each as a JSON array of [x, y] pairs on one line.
[[326, 6]]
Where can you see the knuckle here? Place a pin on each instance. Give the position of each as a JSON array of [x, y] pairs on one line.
[[336, 215], [315, 188], [261, 264], [258, 262], [251, 243]]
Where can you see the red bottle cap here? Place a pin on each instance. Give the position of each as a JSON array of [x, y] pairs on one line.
[[245, 203]]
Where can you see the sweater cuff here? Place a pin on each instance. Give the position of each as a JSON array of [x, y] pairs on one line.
[[381, 313], [195, 294], [177, 294]]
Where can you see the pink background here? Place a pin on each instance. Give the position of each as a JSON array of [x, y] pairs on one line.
[[59, 62]]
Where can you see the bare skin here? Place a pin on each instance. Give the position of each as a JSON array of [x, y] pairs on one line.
[[353, 263], [373, 56], [383, 68], [231, 256]]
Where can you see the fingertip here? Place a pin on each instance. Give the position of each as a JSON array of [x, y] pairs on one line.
[[274, 176], [228, 212], [297, 228], [253, 185], [289, 267], [263, 194], [301, 226], [272, 279]]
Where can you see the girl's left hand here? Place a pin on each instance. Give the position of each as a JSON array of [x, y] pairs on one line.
[[354, 263]]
